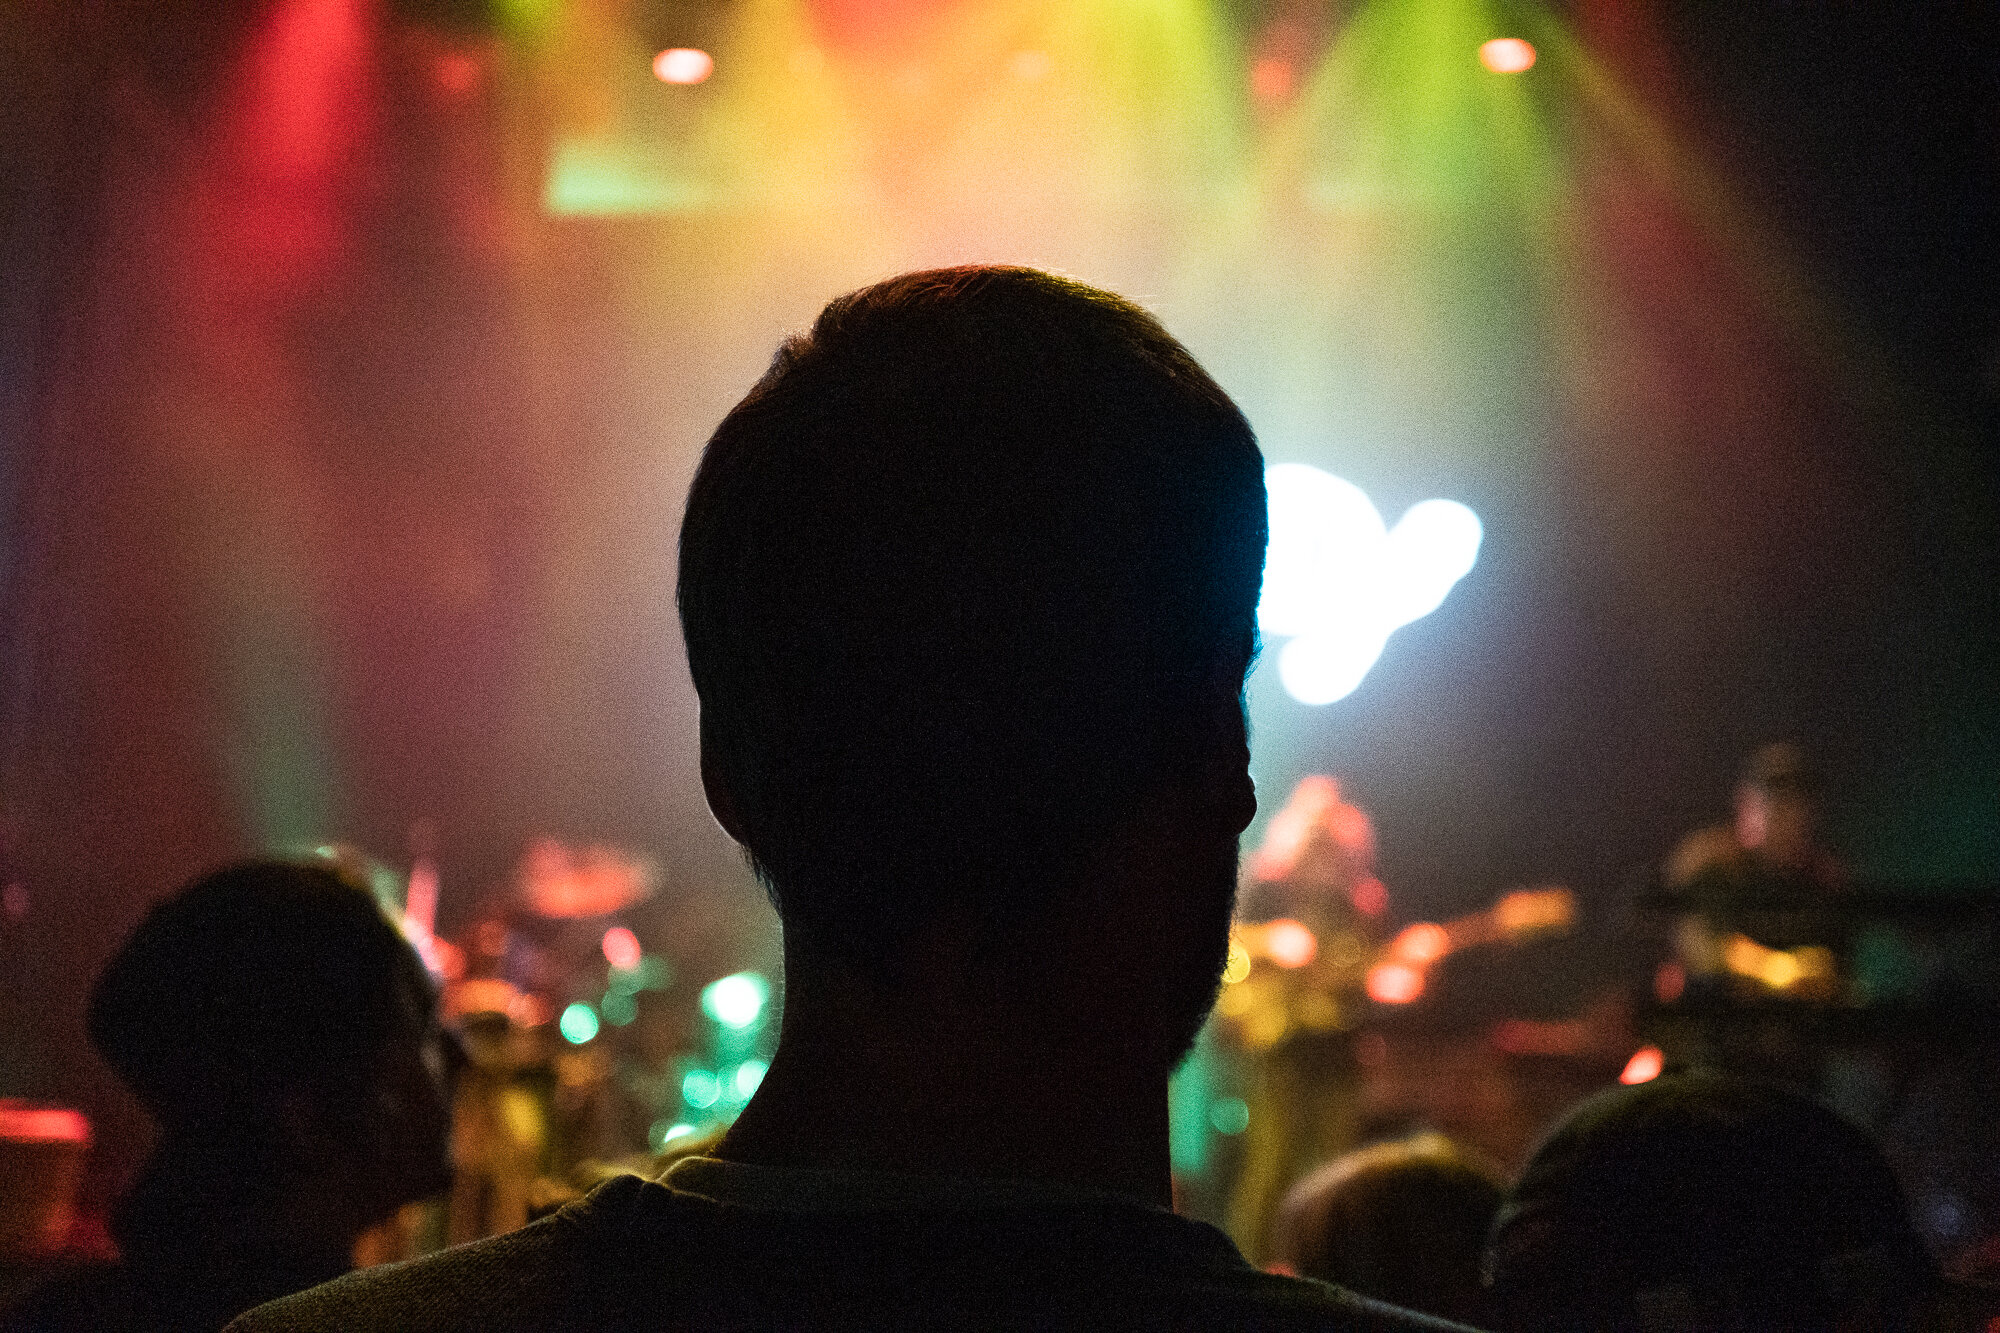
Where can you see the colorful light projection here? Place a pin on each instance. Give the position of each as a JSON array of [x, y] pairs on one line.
[[1338, 582]]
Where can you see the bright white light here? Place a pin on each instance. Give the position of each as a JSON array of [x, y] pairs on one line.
[[683, 64], [1320, 668], [1338, 582], [737, 1000]]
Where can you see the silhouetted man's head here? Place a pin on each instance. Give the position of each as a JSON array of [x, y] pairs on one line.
[[969, 583], [1700, 1200], [271, 1011]]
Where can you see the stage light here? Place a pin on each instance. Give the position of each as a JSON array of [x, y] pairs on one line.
[[736, 1001], [42, 1124], [1338, 582], [1644, 1066], [1238, 966], [664, 1132], [619, 1009], [750, 1076], [621, 948], [1288, 943], [700, 1089], [1431, 548], [1394, 983], [1229, 1115], [683, 64], [1507, 55], [1424, 942], [578, 1023]]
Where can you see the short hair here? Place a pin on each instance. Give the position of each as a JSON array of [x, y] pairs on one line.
[[1404, 1222], [260, 976], [1703, 1200], [952, 577], [1780, 769]]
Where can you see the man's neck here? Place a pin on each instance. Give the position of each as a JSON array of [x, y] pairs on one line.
[[897, 1095]]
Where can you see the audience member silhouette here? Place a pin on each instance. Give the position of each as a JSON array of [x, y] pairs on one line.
[[1405, 1222], [968, 583], [1705, 1202], [285, 1039]]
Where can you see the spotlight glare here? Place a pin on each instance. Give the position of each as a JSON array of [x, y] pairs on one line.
[[578, 1023], [1394, 983], [621, 948], [664, 1132], [1290, 943], [683, 64], [736, 1001], [700, 1088], [1644, 1066], [1338, 582], [1507, 55]]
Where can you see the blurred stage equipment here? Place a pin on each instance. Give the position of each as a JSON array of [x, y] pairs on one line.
[[42, 1151]]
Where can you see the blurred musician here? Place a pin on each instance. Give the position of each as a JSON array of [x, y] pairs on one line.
[[1307, 930], [1759, 888]]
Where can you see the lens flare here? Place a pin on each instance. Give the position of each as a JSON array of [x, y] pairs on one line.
[[1507, 55], [683, 64], [736, 1001], [578, 1023], [1644, 1066], [1394, 983], [621, 948]]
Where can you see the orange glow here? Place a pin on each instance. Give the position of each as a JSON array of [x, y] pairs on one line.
[[621, 948], [1507, 55], [1644, 1066], [1394, 983], [1289, 944], [529, 1011], [1272, 80], [1424, 942], [1370, 897], [480, 995], [1525, 911], [1669, 982], [683, 64], [591, 881]]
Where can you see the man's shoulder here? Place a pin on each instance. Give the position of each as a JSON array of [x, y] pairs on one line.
[[636, 1254], [1268, 1301], [544, 1275]]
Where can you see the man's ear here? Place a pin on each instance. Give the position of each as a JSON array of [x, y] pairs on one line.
[[721, 801]]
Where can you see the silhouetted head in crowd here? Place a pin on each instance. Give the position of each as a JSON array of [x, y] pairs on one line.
[[968, 583], [1700, 1201], [1405, 1222], [285, 1037]]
